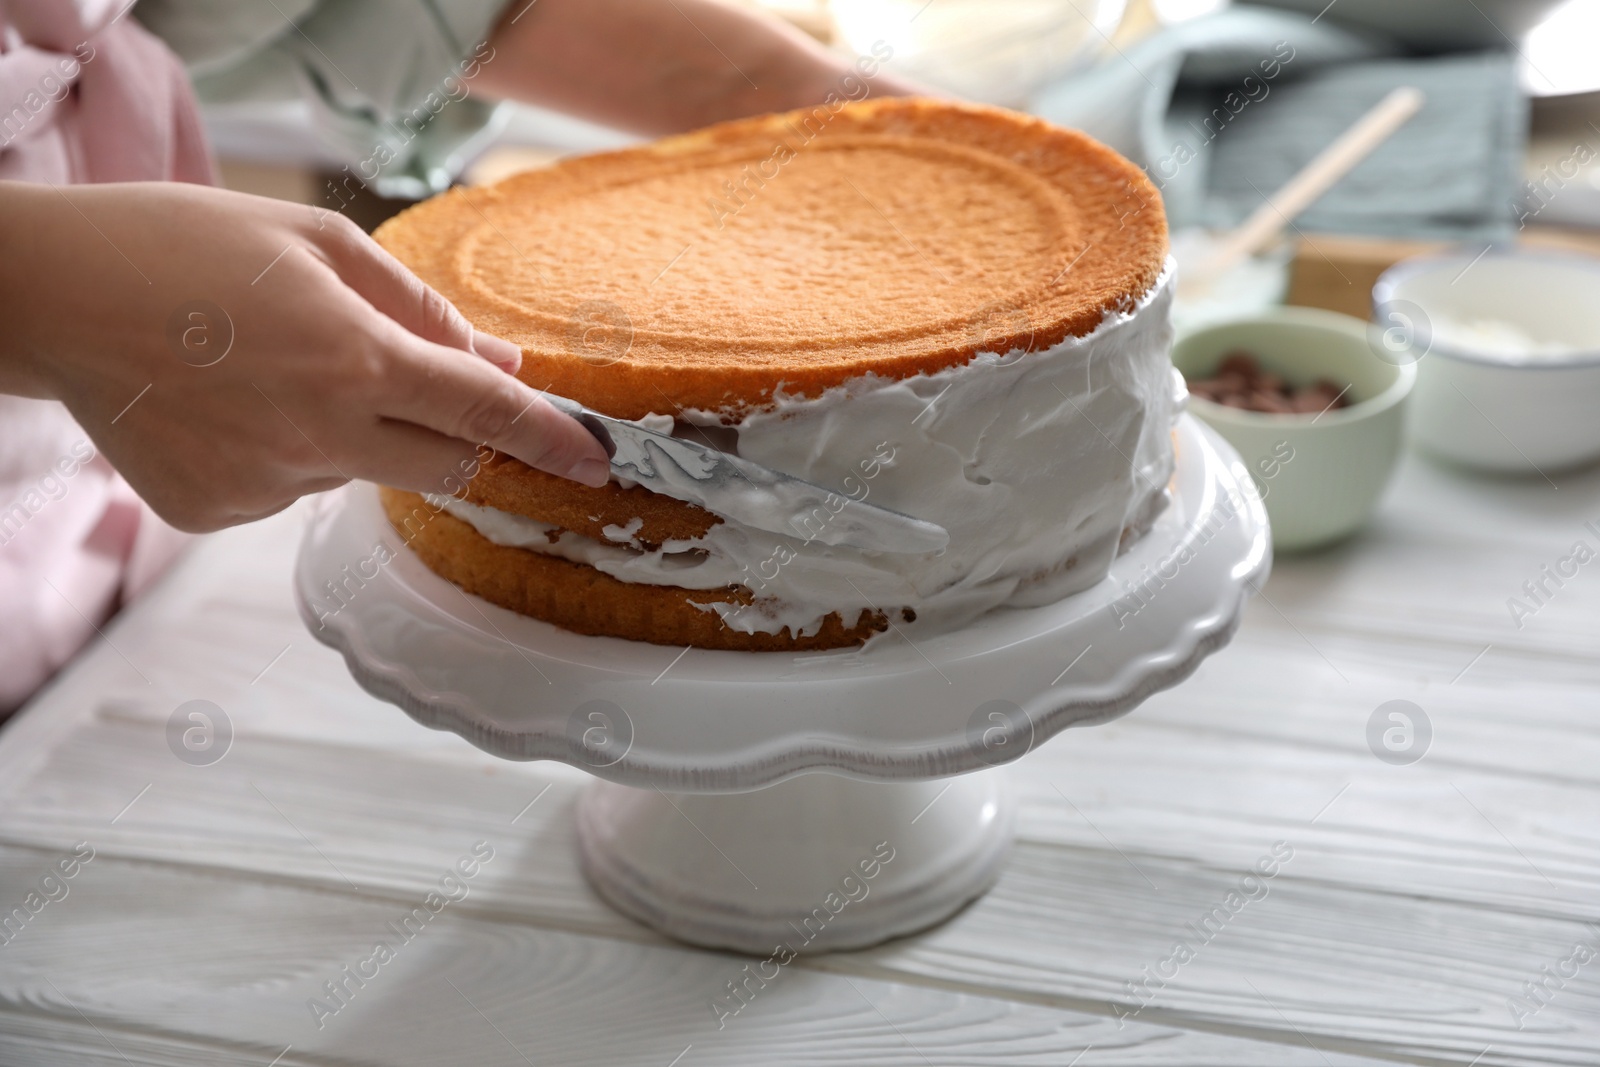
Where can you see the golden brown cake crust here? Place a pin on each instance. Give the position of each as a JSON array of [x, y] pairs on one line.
[[894, 236], [580, 598]]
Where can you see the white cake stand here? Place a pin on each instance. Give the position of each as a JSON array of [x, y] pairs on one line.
[[706, 824]]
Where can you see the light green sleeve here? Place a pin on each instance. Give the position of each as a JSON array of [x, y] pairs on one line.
[[386, 79]]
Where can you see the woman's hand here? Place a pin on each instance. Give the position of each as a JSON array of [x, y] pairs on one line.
[[230, 353]]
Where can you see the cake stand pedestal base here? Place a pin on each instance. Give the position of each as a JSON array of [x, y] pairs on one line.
[[814, 863]]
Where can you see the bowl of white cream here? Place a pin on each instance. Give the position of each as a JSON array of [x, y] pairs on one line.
[[1507, 347]]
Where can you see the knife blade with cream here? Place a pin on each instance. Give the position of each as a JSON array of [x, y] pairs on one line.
[[749, 493]]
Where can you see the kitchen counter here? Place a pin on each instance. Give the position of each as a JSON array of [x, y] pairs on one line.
[[1427, 913]]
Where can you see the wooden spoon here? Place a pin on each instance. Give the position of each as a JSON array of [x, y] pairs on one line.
[[1302, 190]]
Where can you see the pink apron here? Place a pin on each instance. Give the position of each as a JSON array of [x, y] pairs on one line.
[[86, 95]]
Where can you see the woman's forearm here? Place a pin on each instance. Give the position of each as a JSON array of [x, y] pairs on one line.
[[661, 66], [28, 215]]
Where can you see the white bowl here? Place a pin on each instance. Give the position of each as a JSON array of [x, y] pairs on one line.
[[1485, 398]]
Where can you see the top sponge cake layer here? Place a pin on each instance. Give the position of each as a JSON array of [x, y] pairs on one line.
[[704, 271]]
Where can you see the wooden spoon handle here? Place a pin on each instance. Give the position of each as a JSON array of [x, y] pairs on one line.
[[1317, 177]]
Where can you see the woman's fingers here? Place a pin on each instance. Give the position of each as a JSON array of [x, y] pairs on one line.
[[497, 350], [413, 457], [385, 283], [440, 389]]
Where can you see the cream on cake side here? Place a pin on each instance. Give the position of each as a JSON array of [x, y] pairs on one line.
[[1036, 463]]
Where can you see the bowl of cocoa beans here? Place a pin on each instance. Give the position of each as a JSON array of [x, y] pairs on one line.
[[1316, 414]]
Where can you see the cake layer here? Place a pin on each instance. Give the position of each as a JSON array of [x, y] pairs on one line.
[[582, 599], [702, 272], [651, 519]]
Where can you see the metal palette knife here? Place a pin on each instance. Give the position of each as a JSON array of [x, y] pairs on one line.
[[757, 496]]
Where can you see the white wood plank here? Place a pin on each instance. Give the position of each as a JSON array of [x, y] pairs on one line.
[[235, 967], [1413, 910], [1387, 974], [1503, 810], [1443, 555]]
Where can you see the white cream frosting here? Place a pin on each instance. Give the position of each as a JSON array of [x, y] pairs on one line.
[[1036, 463]]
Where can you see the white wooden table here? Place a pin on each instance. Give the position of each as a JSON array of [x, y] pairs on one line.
[[1417, 903]]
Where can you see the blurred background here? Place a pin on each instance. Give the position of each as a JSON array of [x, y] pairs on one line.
[[1504, 148]]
